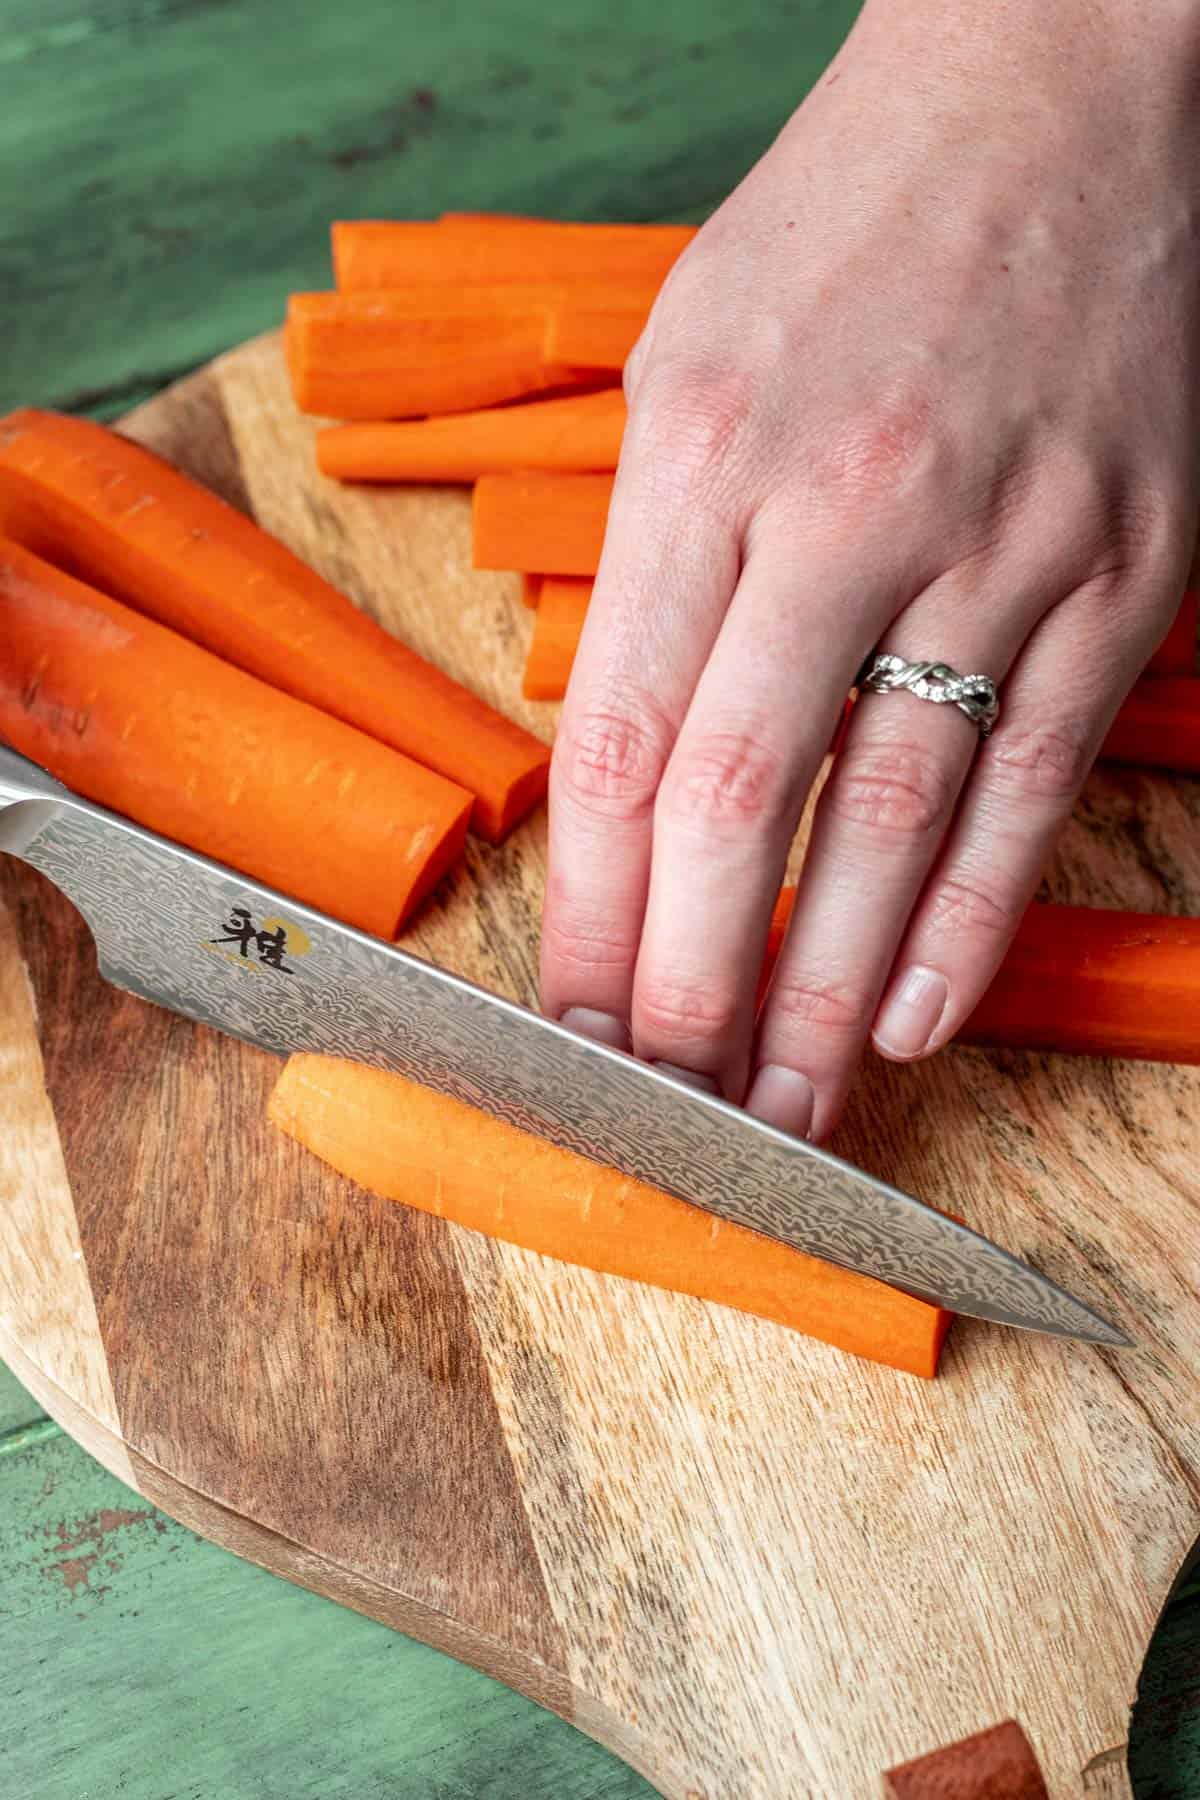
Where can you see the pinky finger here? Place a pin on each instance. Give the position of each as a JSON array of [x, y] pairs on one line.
[[1025, 781]]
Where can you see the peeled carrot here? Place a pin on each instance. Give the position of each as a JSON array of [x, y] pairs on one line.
[[597, 327], [531, 589], [1176, 655], [562, 608], [541, 522], [411, 1144], [461, 251], [392, 355], [1082, 980], [1159, 725], [127, 713], [577, 431], [121, 518]]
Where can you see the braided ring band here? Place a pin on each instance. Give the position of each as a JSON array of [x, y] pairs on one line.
[[974, 695]]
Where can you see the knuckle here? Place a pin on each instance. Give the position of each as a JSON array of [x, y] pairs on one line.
[[1042, 762], [961, 905], [806, 1001], [580, 944], [689, 420], [895, 791], [878, 453], [611, 761], [726, 778], [675, 1010]]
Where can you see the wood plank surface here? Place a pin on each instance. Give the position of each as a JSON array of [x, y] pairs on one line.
[[749, 1564]]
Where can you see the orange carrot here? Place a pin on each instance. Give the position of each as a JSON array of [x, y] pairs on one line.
[[1082, 980], [463, 251], [597, 327], [411, 1144], [541, 522], [1159, 725], [531, 589], [1176, 655], [391, 355], [127, 713], [121, 518], [578, 431], [562, 608]]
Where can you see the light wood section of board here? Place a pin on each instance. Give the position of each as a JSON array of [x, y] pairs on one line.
[[755, 1567]]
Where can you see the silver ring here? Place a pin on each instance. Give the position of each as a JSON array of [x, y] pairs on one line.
[[974, 695]]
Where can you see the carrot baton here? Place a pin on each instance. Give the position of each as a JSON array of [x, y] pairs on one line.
[[463, 251], [125, 520], [531, 589], [575, 432], [596, 328], [562, 608], [392, 355], [428, 1151], [1081, 980], [1176, 655], [541, 522], [131, 715]]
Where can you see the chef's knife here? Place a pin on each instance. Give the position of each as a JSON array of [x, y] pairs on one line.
[[198, 938]]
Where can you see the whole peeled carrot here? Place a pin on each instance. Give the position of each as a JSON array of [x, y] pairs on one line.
[[561, 609], [399, 354], [1159, 725], [408, 1143], [540, 522], [125, 520], [576, 431], [470, 249], [1082, 980], [129, 714]]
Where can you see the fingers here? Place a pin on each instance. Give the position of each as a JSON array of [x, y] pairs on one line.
[[669, 567], [1057, 706], [753, 739], [876, 834]]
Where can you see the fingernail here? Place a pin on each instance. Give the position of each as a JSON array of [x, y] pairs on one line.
[[782, 1097], [705, 1083], [911, 1013], [603, 1027]]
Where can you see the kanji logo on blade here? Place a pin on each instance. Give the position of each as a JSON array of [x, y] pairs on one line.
[[261, 946]]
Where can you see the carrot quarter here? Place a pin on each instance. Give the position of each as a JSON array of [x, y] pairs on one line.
[[464, 251], [426, 1150], [574, 432], [597, 328], [135, 717], [541, 522], [557, 628], [119, 517]]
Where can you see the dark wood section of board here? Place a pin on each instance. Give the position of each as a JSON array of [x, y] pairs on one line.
[[380, 1407]]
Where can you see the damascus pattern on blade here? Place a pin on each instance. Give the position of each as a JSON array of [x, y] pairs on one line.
[[166, 924]]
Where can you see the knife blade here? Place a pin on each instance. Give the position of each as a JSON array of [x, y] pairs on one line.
[[198, 938]]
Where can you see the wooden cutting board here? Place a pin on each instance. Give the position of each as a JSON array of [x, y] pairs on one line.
[[754, 1567]]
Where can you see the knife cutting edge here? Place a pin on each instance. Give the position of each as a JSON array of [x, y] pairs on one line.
[[174, 928]]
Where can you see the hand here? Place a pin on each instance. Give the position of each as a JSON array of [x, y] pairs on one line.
[[929, 380]]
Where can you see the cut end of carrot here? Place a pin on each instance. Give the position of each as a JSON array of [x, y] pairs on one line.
[[410, 1144], [540, 521], [562, 609]]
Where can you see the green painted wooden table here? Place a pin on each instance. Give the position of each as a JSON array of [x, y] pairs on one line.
[[167, 169]]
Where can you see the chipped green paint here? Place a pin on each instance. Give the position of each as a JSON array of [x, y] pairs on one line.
[[171, 166]]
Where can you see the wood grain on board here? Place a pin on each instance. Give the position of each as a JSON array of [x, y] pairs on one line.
[[751, 1565]]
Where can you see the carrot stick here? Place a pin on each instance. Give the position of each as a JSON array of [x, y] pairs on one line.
[[127, 713], [562, 608], [460, 252], [579, 431], [596, 328], [1158, 727], [531, 589], [1084, 981], [411, 1144], [123, 519], [541, 522], [1176, 655], [391, 355]]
